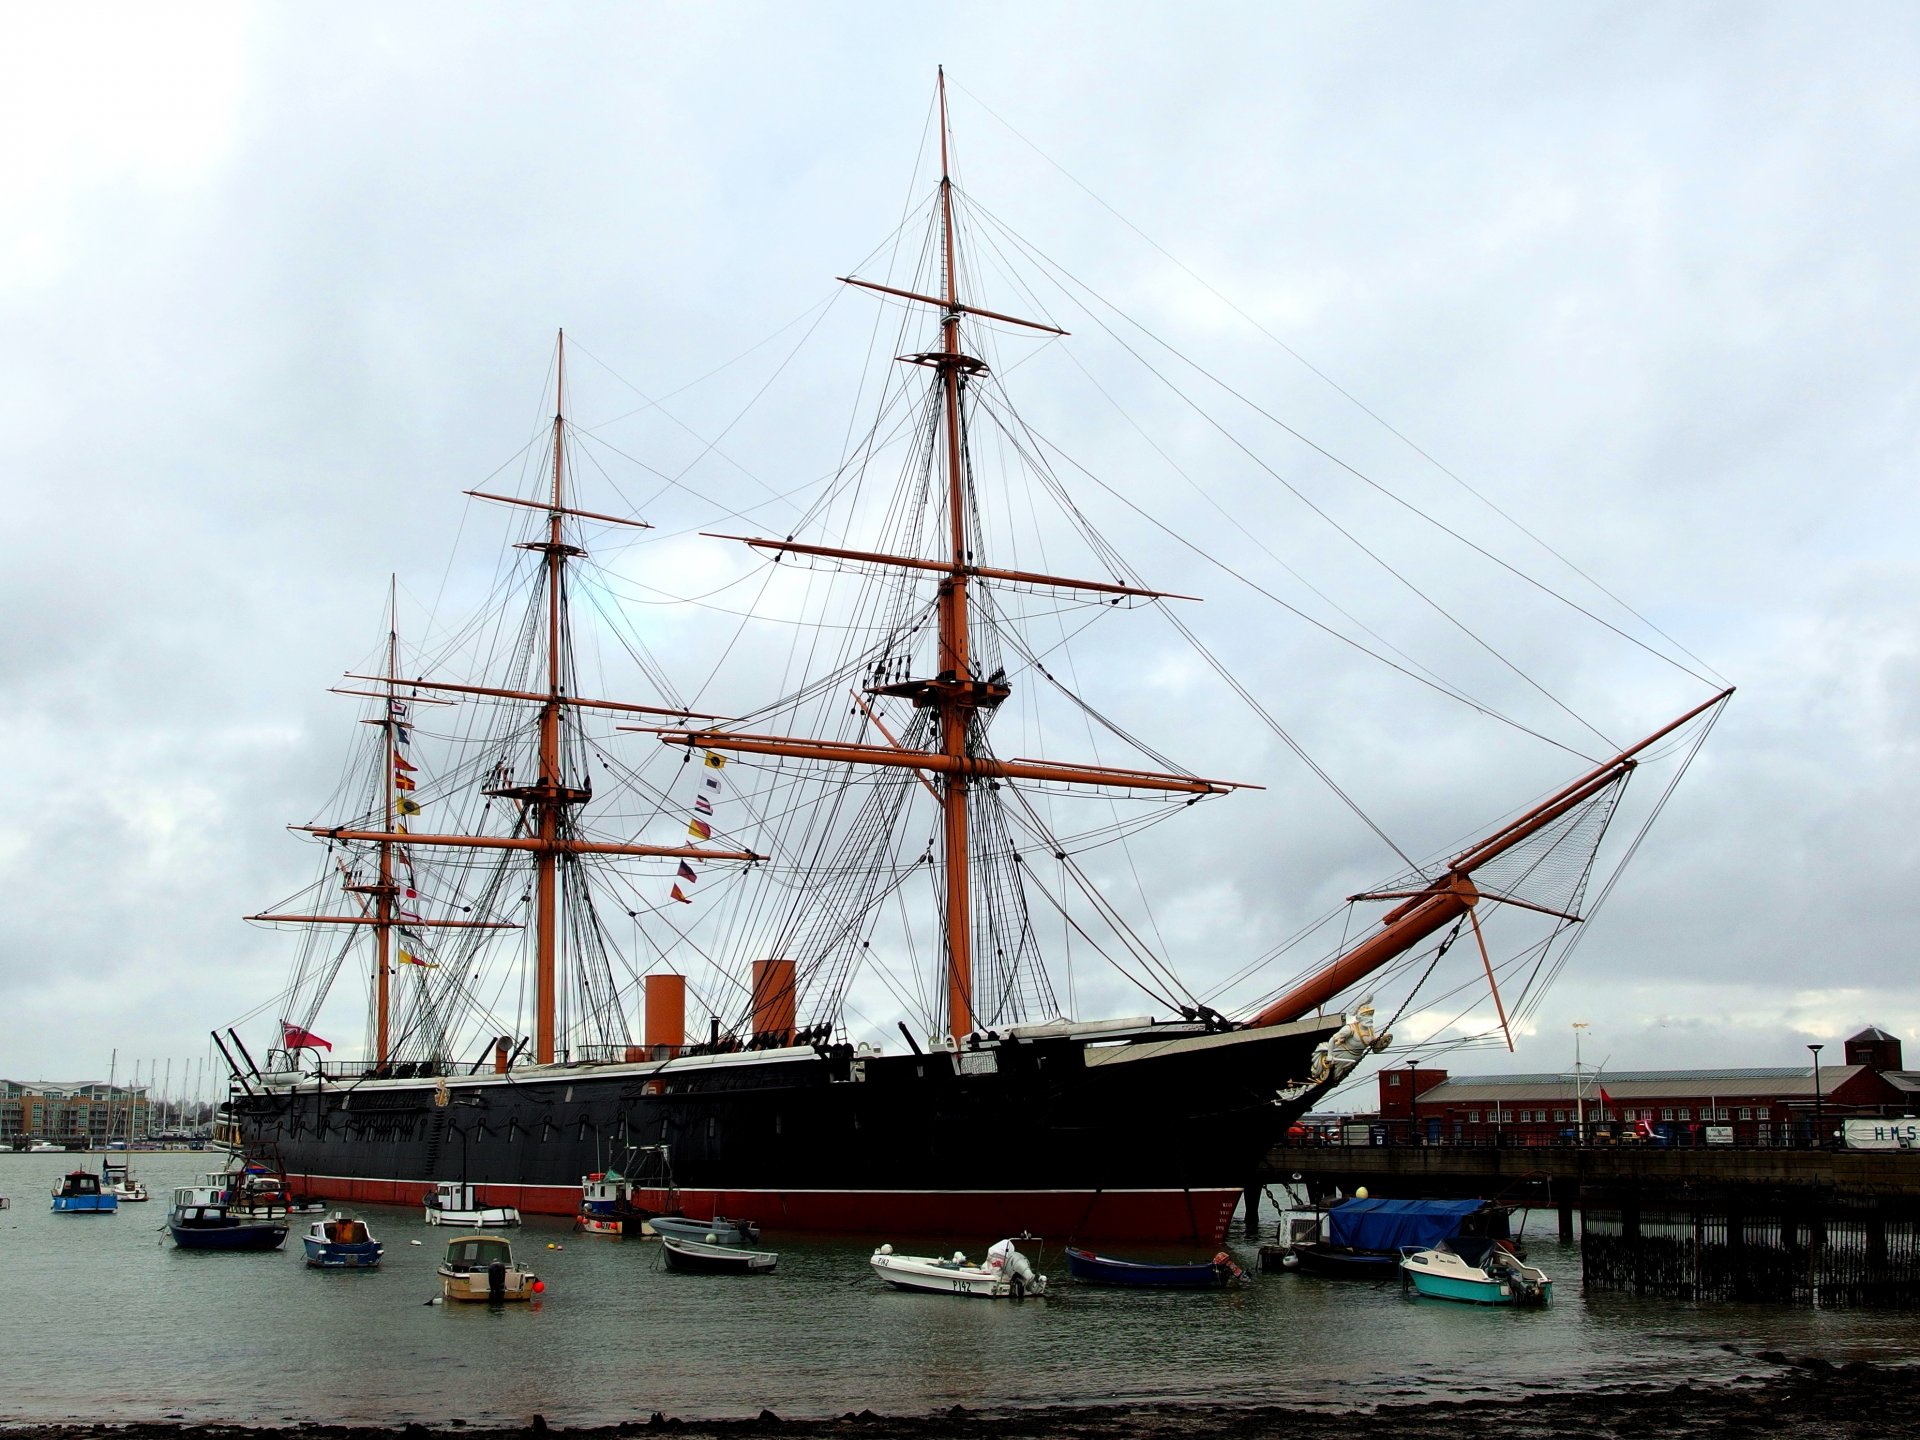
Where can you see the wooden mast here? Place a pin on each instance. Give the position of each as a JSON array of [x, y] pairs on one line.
[[383, 900], [548, 799], [1453, 894], [954, 693], [548, 806], [955, 708]]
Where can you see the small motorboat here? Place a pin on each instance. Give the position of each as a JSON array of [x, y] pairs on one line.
[[1363, 1239], [716, 1231], [452, 1202], [341, 1243], [1478, 1272], [202, 1220], [480, 1268], [1005, 1275], [1095, 1269], [45, 1147], [695, 1257], [81, 1193]]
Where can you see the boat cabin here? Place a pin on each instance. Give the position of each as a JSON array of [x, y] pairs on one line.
[[201, 1217], [338, 1231], [451, 1195], [79, 1183], [477, 1252]]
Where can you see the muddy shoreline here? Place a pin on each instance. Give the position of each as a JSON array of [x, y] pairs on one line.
[[1808, 1398]]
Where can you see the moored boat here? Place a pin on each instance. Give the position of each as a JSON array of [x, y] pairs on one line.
[[1364, 1239], [119, 1178], [341, 1243], [1480, 1273], [1005, 1274], [609, 1200], [696, 1257], [1093, 1269], [452, 1202], [81, 1193], [715, 1230], [480, 1269], [201, 1220]]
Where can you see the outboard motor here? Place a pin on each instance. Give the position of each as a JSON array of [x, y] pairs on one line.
[[497, 1281]]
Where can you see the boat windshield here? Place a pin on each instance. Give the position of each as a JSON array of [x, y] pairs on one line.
[[476, 1252]]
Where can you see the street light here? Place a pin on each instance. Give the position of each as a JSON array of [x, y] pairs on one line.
[[1819, 1121], [1579, 1094], [1413, 1102]]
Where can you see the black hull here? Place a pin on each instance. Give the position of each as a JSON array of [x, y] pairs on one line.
[[1064, 1136]]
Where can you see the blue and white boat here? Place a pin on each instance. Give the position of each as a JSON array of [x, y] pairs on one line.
[[341, 1243], [1478, 1272], [81, 1193]]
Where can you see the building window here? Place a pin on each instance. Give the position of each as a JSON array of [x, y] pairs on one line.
[[1393, 1079], [1666, 1112], [1559, 1117], [1473, 1117], [1683, 1113], [1746, 1112]]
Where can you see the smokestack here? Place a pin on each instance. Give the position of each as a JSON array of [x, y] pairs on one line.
[[774, 1003], [666, 1015]]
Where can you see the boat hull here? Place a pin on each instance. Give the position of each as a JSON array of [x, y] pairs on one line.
[[85, 1204], [1338, 1263], [693, 1258], [1068, 1138], [1094, 1269], [230, 1237]]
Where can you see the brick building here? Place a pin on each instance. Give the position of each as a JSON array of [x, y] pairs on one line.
[[1748, 1106]]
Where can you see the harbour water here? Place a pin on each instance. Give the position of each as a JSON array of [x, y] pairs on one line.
[[105, 1320]]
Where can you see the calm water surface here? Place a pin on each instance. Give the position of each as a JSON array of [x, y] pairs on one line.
[[102, 1318]]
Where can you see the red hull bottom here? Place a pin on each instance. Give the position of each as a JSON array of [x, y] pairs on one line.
[[1168, 1216]]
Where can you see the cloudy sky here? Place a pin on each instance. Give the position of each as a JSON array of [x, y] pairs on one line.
[[277, 284]]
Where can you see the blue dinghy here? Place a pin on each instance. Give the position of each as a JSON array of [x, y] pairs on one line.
[[1106, 1270]]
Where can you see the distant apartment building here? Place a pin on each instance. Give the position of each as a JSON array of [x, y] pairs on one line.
[[89, 1112]]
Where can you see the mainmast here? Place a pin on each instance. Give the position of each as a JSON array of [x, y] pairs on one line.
[[956, 705], [954, 693]]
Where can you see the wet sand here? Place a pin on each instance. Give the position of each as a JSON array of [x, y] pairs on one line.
[[1807, 1398]]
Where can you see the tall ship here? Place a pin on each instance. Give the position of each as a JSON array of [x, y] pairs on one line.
[[541, 887]]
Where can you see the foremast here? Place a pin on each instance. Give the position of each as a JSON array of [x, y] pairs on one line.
[[548, 804]]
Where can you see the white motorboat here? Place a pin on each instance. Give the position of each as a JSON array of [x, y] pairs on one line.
[[1491, 1276], [1005, 1275], [452, 1202]]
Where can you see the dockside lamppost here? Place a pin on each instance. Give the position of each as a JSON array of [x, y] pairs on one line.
[[1579, 1089], [1413, 1102], [1819, 1118]]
